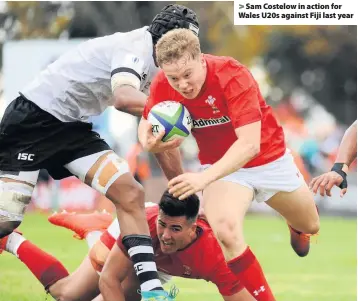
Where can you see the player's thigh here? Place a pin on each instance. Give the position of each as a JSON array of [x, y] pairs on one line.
[[225, 205], [19, 160], [108, 173], [226, 200], [20, 129], [32, 139], [281, 185], [82, 284], [298, 208]]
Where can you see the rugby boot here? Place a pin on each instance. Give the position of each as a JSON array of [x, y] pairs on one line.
[[82, 224]]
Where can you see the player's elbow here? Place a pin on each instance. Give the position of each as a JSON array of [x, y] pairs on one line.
[[107, 283], [252, 149], [126, 99], [104, 283], [120, 97]]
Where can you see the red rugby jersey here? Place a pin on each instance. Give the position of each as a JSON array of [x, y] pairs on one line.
[[203, 259], [230, 98]]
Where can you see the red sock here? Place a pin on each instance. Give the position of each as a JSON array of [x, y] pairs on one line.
[[45, 267], [108, 240], [250, 273]]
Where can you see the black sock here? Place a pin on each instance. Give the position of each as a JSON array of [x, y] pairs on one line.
[[140, 250]]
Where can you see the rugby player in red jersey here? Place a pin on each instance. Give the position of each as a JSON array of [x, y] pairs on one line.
[[184, 246], [241, 149]]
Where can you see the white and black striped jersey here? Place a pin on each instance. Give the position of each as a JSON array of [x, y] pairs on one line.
[[78, 84]]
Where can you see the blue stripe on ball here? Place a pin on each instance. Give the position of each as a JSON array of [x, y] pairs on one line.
[[179, 123], [167, 126]]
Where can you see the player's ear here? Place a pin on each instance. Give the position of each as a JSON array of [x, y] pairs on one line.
[[192, 230], [202, 60]]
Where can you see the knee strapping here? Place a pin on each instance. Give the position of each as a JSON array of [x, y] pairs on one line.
[[14, 198], [109, 171]]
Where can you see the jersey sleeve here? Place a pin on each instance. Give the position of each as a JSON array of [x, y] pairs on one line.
[[157, 93], [126, 69], [242, 95], [227, 283]]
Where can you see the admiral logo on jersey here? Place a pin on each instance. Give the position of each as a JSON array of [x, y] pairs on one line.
[[202, 123]]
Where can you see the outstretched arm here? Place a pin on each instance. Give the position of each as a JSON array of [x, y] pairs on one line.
[[114, 272], [241, 151], [246, 147], [347, 153]]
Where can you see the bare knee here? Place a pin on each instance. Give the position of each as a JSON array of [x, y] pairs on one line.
[[135, 198], [127, 197], [6, 227], [107, 283], [312, 227], [62, 296], [65, 296], [310, 224], [67, 290], [62, 291], [228, 234]]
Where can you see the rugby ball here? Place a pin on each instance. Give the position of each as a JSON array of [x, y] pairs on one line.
[[173, 118]]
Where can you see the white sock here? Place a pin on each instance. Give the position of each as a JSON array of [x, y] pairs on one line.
[[13, 242], [92, 237]]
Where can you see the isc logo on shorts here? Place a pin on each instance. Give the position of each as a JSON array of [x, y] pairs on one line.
[[25, 157]]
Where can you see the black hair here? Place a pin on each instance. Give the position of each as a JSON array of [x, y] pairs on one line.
[[173, 16], [172, 206]]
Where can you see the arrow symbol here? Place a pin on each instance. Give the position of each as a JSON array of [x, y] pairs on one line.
[[241, 6]]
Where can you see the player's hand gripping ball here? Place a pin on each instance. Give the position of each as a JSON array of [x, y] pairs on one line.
[[171, 117]]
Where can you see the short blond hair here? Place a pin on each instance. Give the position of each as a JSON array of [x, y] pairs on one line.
[[175, 44]]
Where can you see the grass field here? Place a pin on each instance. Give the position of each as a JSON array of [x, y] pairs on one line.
[[327, 274]]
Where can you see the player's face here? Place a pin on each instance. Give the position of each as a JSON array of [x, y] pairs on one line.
[[187, 75], [174, 233]]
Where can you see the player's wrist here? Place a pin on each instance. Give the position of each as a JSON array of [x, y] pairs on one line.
[[208, 175], [345, 168], [338, 168]]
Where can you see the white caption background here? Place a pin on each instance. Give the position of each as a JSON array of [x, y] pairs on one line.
[[304, 12]]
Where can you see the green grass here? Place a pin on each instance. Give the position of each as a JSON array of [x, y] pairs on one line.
[[327, 274]]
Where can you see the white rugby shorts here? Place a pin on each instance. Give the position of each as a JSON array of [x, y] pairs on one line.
[[269, 179]]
